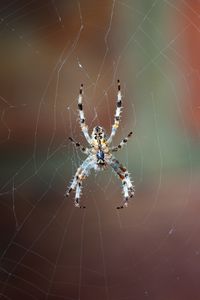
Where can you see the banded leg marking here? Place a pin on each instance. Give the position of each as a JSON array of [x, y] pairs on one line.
[[84, 127], [78, 145], [127, 186], [117, 113], [123, 142]]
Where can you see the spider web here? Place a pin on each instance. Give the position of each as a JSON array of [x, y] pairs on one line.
[[49, 249]]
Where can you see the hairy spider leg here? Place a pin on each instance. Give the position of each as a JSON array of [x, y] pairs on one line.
[[84, 127], [82, 172], [123, 142], [127, 186], [117, 113], [78, 145]]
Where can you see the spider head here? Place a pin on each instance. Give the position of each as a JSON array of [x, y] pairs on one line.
[[99, 135]]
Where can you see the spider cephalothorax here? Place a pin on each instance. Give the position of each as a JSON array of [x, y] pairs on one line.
[[98, 136], [100, 153]]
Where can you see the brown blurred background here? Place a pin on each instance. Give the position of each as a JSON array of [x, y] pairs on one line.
[[49, 249]]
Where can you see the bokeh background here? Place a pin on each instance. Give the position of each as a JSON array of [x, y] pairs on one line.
[[49, 249]]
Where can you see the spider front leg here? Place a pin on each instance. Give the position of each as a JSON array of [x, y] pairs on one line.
[[81, 173], [127, 186], [84, 127], [117, 113]]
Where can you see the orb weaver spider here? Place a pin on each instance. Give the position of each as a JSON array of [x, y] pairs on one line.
[[100, 153]]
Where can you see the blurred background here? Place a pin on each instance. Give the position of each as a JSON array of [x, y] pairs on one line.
[[49, 249]]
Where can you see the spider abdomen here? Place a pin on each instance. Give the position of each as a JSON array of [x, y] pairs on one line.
[[100, 156]]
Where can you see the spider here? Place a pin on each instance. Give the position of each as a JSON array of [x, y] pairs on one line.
[[100, 153]]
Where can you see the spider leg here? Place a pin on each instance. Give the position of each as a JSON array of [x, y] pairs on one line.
[[79, 189], [73, 184], [123, 142], [117, 113], [81, 173], [78, 145], [127, 186], [84, 127]]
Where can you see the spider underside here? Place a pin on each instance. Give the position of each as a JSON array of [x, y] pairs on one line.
[[100, 153]]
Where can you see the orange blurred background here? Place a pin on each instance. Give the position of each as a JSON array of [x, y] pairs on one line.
[[49, 249]]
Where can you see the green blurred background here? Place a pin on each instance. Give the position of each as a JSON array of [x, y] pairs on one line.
[[49, 249]]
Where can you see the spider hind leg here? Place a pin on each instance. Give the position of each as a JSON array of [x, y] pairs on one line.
[[127, 186], [76, 185], [78, 193]]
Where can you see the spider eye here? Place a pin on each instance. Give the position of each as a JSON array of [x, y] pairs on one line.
[[95, 137]]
